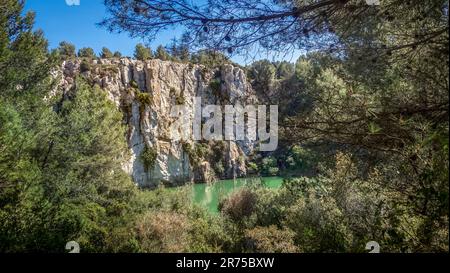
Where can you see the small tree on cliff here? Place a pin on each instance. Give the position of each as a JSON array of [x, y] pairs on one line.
[[161, 53], [66, 50], [117, 54], [86, 52], [142, 52], [106, 53]]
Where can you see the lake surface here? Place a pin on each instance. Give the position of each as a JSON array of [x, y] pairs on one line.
[[209, 195]]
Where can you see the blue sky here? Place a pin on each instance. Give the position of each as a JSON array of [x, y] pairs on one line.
[[77, 24]]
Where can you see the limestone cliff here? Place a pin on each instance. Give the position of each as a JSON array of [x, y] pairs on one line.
[[145, 93]]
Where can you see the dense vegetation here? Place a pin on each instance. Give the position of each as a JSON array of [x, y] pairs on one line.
[[364, 140]]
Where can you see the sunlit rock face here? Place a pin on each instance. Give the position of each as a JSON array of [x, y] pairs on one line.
[[145, 92]]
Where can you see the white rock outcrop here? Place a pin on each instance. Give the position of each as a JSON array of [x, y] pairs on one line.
[[167, 84]]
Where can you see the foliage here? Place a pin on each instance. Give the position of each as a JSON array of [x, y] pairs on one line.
[[239, 205], [85, 66], [179, 98], [162, 54], [148, 157], [144, 98], [163, 232], [270, 240], [134, 84], [269, 166], [215, 86], [252, 167], [66, 50], [179, 51], [263, 74], [209, 58], [142, 52], [86, 52], [106, 53]]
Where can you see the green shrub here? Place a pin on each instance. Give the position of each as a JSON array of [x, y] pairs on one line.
[[270, 240], [187, 148], [239, 205], [197, 152], [142, 52], [134, 84], [85, 66], [86, 52], [110, 68], [219, 169], [106, 53], [206, 231], [252, 167], [319, 225], [215, 86], [269, 166], [163, 232], [179, 98], [148, 157], [66, 50], [144, 98], [202, 150]]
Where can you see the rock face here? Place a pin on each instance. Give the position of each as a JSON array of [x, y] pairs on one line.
[[146, 92]]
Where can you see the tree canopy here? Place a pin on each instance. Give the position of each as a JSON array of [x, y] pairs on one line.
[[142, 52]]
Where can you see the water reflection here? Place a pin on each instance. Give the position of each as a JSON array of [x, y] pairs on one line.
[[209, 195]]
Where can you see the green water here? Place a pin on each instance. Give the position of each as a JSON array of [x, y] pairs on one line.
[[209, 195]]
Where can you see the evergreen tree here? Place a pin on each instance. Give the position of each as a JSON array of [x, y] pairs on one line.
[[66, 50], [161, 53], [86, 52], [142, 52], [82, 174], [25, 66], [60, 165], [106, 53], [210, 58]]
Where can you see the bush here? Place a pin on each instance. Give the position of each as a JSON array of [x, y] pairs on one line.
[[239, 205], [179, 98], [252, 167], [66, 50], [86, 52], [144, 98], [319, 225], [163, 232], [142, 52], [206, 232], [210, 59], [106, 53], [148, 157], [85, 66], [215, 86], [269, 166], [219, 169], [134, 84], [270, 240]]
